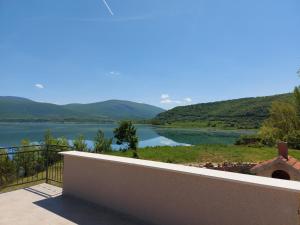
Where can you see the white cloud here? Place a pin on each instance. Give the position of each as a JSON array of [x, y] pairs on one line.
[[39, 86], [164, 96], [188, 99], [166, 99], [114, 73]]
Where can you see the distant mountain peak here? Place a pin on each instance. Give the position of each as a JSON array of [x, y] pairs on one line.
[[15, 98], [23, 109]]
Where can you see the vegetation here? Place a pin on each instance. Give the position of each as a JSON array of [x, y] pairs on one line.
[[79, 144], [16, 109], [101, 144], [207, 153], [246, 113], [126, 134], [283, 123], [249, 140], [7, 168], [13, 182], [297, 99], [24, 159], [49, 140]]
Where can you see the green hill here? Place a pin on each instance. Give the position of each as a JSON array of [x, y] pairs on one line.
[[22, 109], [245, 113], [117, 109]]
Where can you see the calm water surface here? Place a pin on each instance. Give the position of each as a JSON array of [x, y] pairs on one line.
[[12, 133]]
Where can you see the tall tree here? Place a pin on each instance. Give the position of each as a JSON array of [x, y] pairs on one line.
[[282, 125], [126, 134], [284, 122], [297, 96]]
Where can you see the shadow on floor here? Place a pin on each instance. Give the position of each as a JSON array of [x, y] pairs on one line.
[[84, 213]]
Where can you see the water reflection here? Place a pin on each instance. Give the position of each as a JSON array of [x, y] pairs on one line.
[[12, 134]]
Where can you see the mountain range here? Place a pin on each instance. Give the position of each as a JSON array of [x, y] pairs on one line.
[[22, 109], [244, 113]]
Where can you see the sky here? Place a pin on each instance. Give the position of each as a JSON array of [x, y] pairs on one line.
[[166, 53]]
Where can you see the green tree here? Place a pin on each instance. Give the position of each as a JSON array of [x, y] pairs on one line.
[[62, 141], [25, 159], [7, 168], [101, 144], [282, 124], [297, 97], [51, 146], [49, 140], [79, 144], [126, 134]]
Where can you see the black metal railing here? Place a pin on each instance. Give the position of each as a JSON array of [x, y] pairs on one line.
[[31, 164]]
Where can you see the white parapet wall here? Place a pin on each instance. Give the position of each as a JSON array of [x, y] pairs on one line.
[[170, 194]]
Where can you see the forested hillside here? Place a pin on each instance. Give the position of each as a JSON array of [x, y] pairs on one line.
[[242, 113]]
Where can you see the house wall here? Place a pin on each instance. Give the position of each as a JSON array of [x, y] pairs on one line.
[[165, 194], [294, 174]]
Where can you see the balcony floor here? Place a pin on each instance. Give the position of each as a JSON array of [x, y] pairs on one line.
[[44, 204]]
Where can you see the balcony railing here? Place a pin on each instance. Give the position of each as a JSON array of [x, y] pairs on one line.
[[31, 164]]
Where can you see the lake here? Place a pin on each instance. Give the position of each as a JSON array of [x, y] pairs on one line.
[[11, 134]]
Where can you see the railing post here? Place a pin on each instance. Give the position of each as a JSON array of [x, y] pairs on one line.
[[47, 162]]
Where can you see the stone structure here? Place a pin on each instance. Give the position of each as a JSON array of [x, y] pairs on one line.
[[282, 167]]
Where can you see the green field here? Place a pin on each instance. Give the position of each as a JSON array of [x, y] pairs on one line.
[[207, 153]]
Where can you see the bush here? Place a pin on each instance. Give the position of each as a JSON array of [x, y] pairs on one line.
[[79, 144], [25, 159], [248, 140], [101, 144], [7, 168], [293, 140]]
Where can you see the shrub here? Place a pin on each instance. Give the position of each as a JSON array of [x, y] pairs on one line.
[[79, 144], [248, 140], [101, 144]]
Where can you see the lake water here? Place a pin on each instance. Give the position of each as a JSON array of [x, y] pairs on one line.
[[11, 134]]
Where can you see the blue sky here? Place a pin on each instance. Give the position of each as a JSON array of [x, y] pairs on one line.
[[165, 53]]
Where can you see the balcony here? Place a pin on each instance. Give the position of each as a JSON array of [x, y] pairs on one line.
[[102, 189], [45, 204]]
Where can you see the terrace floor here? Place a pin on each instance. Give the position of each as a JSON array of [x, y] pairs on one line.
[[44, 204]]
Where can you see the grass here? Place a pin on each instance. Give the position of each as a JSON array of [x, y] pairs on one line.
[[207, 153]]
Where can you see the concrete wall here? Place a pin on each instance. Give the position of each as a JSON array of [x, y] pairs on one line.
[[165, 194]]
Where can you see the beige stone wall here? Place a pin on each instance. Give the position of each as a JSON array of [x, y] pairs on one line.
[[294, 174], [178, 195]]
